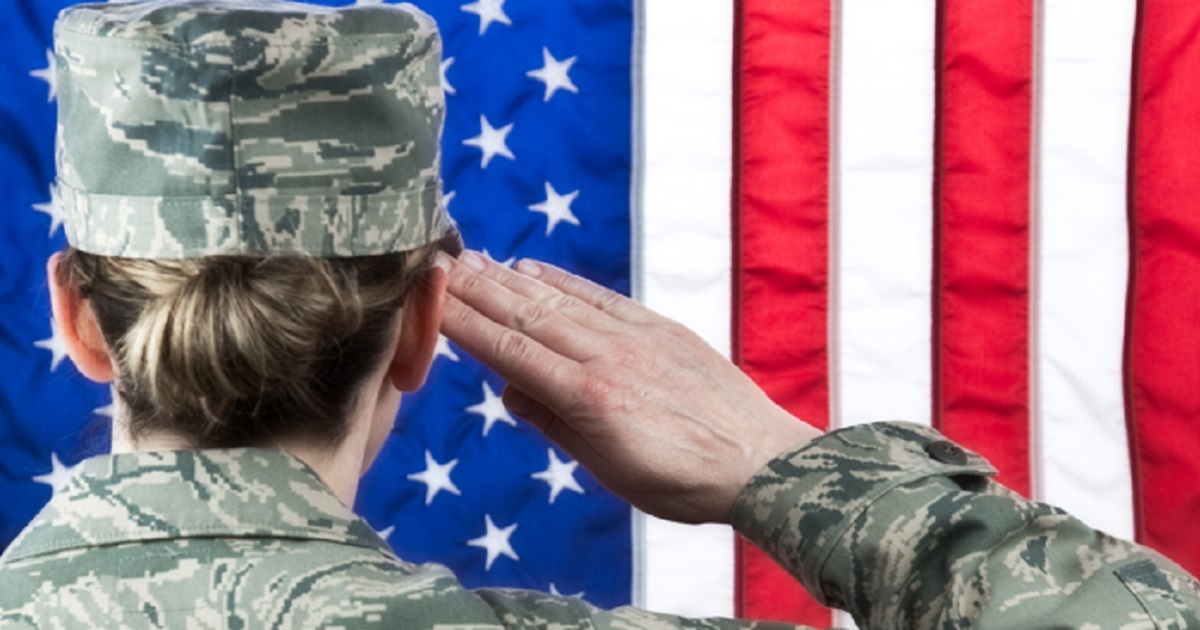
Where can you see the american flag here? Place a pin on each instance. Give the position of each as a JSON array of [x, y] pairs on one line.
[[978, 214], [537, 162]]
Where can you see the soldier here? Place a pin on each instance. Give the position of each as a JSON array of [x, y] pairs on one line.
[[255, 264]]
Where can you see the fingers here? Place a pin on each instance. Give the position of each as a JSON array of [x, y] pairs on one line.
[[541, 372], [605, 300], [524, 305], [553, 427]]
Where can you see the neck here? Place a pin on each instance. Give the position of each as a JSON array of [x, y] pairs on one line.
[[339, 468], [370, 422]]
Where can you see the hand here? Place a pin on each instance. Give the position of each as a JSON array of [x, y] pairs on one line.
[[655, 414]]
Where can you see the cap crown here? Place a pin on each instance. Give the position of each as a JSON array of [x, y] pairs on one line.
[[196, 128]]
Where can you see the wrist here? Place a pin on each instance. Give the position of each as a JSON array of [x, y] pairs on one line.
[[787, 434]]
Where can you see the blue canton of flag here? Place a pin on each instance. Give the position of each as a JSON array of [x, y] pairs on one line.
[[537, 163]]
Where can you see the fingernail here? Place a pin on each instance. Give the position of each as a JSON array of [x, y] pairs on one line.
[[443, 261], [472, 260], [529, 267]]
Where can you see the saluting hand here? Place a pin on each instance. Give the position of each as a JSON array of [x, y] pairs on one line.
[[655, 414]]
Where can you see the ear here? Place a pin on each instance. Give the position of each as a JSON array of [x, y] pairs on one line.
[[419, 323], [78, 328]]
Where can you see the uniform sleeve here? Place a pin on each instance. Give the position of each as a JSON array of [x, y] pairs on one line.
[[906, 530]]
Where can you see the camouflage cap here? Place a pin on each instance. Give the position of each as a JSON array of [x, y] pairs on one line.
[[191, 128]]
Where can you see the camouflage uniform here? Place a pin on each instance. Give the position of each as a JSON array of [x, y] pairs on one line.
[[239, 127], [890, 521], [200, 127]]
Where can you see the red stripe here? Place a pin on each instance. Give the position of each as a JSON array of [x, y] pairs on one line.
[[1163, 336], [982, 230], [781, 253]]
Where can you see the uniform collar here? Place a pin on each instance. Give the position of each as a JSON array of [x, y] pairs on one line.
[[135, 497]]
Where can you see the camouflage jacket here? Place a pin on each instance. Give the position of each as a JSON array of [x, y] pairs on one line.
[[889, 521]]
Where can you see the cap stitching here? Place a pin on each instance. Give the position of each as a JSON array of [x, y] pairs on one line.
[[360, 40], [235, 148]]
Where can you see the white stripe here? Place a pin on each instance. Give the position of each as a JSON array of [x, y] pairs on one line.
[[685, 263], [885, 230], [1083, 263], [884, 237], [884, 243]]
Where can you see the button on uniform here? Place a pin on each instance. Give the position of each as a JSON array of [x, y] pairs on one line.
[[946, 452]]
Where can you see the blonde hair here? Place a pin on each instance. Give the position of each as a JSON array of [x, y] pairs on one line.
[[242, 350]]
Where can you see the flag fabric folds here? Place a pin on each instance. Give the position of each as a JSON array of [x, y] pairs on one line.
[[975, 215]]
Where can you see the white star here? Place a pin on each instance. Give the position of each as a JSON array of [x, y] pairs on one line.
[[446, 87], [507, 262], [47, 74], [385, 532], [554, 74], [492, 410], [53, 208], [59, 474], [443, 348], [496, 542], [560, 475], [55, 345], [436, 477], [554, 591], [557, 208], [488, 11], [491, 141], [448, 197]]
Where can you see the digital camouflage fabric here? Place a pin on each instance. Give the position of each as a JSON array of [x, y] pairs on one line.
[[906, 530], [195, 128], [869, 516]]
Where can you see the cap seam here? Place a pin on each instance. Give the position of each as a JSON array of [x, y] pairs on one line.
[[292, 192], [235, 150], [78, 213], [356, 40]]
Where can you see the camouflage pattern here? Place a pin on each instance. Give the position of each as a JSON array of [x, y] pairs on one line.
[[250, 538], [881, 521], [191, 128], [244, 538]]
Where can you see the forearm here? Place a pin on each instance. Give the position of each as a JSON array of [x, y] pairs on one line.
[[866, 518], [901, 534]]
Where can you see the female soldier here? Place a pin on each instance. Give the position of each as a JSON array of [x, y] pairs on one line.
[[252, 200]]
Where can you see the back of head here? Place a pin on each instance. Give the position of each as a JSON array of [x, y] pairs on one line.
[[242, 350], [251, 190]]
